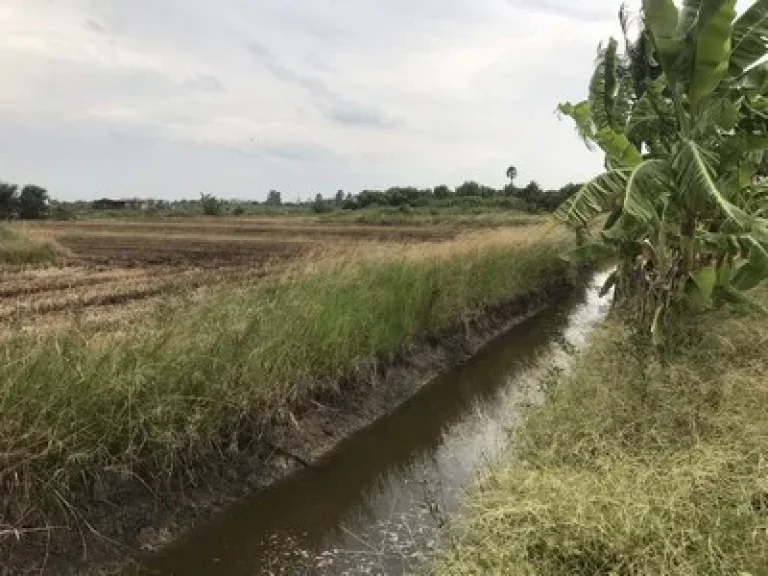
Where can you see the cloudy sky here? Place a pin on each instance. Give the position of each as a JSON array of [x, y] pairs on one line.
[[168, 98]]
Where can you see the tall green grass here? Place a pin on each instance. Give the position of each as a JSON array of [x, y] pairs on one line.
[[639, 463], [79, 415], [16, 248]]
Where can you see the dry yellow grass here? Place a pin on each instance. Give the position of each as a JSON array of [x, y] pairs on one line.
[[43, 300], [334, 254]]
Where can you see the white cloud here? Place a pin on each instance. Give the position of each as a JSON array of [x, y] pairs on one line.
[[170, 97]]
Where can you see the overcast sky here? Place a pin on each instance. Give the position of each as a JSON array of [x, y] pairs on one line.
[[168, 98]]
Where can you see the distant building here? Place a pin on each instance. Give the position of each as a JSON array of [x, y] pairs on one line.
[[107, 204], [136, 204], [124, 204]]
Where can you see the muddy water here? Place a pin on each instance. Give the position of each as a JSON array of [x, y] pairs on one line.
[[377, 503]]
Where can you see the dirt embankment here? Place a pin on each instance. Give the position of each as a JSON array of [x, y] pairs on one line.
[[124, 525]]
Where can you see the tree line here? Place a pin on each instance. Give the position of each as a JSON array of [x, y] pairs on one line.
[[471, 194], [29, 203], [530, 198], [33, 202]]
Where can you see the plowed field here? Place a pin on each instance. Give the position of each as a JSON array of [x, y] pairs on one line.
[[110, 273]]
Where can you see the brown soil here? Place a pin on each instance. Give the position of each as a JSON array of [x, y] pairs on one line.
[[278, 228], [214, 252], [128, 520]]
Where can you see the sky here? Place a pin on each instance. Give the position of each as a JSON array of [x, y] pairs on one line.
[[171, 98]]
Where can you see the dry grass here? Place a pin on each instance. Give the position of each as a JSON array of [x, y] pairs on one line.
[[41, 300], [18, 247], [83, 410], [638, 464]]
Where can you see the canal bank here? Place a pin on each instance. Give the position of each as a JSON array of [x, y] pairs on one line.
[[376, 503]]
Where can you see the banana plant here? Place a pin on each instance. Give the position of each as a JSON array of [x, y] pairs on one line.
[[682, 118]]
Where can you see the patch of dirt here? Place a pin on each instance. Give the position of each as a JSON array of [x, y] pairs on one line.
[[144, 251], [277, 230]]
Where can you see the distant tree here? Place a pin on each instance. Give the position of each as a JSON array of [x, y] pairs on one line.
[[275, 198], [210, 204], [8, 200], [470, 188], [320, 205], [350, 203], [512, 174], [441, 192], [370, 198], [339, 197], [33, 202], [532, 192], [238, 211]]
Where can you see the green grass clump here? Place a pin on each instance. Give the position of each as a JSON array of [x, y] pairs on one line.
[[78, 416], [17, 249], [639, 463]]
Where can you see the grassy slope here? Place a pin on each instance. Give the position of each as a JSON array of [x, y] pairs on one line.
[[154, 401], [17, 248], [636, 465]]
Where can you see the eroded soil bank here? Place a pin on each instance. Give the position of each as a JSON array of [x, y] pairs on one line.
[[123, 528]]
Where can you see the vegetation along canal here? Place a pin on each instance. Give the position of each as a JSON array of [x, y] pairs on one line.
[[376, 505]]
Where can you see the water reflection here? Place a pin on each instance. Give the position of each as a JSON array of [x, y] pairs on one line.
[[377, 503]]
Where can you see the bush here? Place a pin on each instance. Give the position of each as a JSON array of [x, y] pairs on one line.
[[33, 203], [210, 204]]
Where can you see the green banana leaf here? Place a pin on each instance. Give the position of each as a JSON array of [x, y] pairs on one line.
[[600, 195], [581, 114], [602, 87], [647, 186], [662, 18], [749, 33], [693, 166], [689, 17], [620, 151], [755, 270], [713, 47]]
